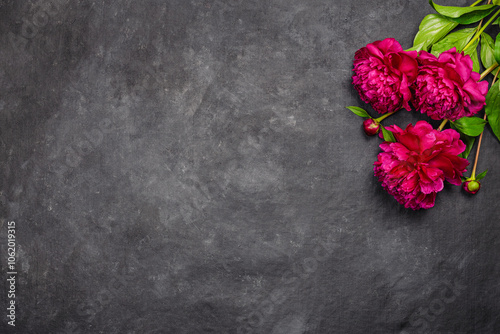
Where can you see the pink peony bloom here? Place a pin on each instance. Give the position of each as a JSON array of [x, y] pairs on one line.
[[446, 87], [383, 73], [413, 168]]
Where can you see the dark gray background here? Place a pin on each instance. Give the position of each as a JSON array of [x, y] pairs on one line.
[[188, 166]]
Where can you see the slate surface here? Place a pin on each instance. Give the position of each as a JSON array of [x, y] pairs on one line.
[[188, 166]]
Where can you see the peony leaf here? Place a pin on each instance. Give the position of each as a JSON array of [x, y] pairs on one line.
[[481, 176], [388, 135], [472, 52], [458, 39], [359, 111], [463, 15], [496, 49], [497, 21], [492, 109], [421, 46], [470, 126], [468, 141], [487, 49], [431, 30]]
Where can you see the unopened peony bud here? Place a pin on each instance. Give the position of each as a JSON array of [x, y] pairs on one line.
[[371, 127], [472, 186]]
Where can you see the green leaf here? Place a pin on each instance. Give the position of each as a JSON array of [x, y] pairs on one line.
[[492, 109], [496, 49], [481, 176], [470, 126], [431, 30], [472, 52], [468, 141], [458, 39], [497, 21], [463, 15], [359, 111], [487, 48], [388, 135], [421, 46]]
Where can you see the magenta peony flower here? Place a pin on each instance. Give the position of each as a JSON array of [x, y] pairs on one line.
[[383, 73], [446, 87], [413, 168]]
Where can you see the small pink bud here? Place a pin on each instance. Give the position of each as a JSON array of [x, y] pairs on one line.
[[371, 127], [472, 186]]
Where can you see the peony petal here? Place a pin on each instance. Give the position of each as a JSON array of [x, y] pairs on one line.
[[400, 151], [463, 66], [373, 50], [424, 57], [428, 201], [410, 140], [444, 164], [410, 182], [430, 187], [475, 91], [433, 173], [409, 66], [388, 45]]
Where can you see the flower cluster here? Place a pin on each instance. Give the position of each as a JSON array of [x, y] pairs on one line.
[[443, 84], [443, 87]]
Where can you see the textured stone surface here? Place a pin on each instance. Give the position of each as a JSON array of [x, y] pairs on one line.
[[185, 166]]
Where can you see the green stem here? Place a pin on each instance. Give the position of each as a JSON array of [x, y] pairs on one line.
[[495, 78], [481, 22], [381, 118], [441, 126], [488, 71], [475, 3], [473, 175], [476, 36]]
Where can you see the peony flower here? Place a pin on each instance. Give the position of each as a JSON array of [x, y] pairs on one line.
[[446, 87], [413, 168], [383, 73]]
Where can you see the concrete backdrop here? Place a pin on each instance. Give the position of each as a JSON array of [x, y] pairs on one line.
[[188, 166]]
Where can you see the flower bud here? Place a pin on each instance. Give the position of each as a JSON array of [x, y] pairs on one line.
[[472, 186], [371, 127]]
